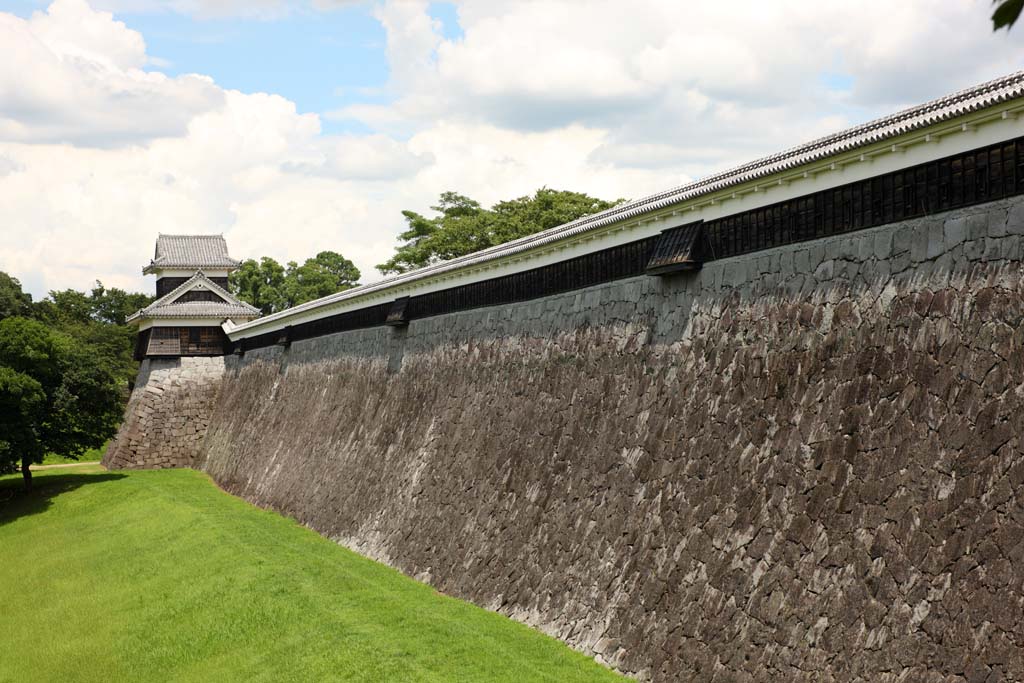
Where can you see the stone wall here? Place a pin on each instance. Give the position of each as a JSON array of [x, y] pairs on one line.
[[802, 465], [167, 414]]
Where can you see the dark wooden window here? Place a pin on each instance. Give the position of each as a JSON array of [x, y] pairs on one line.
[[164, 341], [396, 316], [677, 250], [186, 341], [199, 295], [166, 285]]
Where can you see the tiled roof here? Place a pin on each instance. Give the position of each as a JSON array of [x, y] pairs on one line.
[[191, 251], [201, 309], [951, 106], [167, 306]]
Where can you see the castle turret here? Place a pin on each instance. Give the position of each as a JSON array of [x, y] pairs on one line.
[[192, 299]]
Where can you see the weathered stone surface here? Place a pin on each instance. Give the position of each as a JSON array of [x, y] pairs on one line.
[[802, 465], [167, 414]]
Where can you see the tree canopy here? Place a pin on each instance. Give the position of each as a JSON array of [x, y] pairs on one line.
[[96, 319], [463, 226], [64, 362], [13, 301], [56, 393], [270, 287]]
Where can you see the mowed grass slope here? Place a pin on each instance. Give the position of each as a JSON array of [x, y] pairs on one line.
[[160, 576], [91, 455]]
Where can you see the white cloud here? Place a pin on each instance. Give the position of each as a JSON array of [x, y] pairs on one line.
[[99, 152], [75, 75], [708, 84], [361, 157]]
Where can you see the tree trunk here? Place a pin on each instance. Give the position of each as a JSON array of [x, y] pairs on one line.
[[26, 472]]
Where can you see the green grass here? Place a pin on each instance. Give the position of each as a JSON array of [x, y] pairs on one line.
[[160, 576], [91, 455]]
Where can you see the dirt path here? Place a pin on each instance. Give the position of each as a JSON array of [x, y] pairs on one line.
[[36, 468]]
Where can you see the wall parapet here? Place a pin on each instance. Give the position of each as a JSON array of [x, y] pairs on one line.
[[966, 179]]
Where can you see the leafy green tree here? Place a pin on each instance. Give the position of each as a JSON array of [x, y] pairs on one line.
[[113, 305], [66, 306], [259, 283], [326, 273], [102, 305], [270, 287], [97, 320], [81, 403], [112, 345], [463, 226], [13, 301], [22, 403], [1006, 13]]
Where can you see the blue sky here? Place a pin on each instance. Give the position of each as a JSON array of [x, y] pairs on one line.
[[322, 61]]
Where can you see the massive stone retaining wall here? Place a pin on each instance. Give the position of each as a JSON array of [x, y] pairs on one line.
[[167, 414], [801, 465]]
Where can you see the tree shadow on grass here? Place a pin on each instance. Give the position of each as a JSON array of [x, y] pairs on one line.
[[15, 502]]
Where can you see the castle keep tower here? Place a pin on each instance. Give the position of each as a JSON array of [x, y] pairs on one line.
[[193, 301], [181, 345]]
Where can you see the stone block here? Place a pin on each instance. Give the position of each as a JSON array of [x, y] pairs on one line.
[[956, 231], [1015, 219], [936, 239]]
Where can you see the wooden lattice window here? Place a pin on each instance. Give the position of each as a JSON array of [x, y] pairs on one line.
[[164, 341], [201, 341], [186, 341]]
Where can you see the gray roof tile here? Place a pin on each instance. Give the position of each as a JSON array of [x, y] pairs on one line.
[[191, 251], [200, 309]]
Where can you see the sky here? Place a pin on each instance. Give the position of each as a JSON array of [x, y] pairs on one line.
[[295, 127]]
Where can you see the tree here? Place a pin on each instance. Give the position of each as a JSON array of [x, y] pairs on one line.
[[326, 273], [21, 412], [259, 283], [1006, 14], [102, 305], [72, 401], [13, 301], [270, 287], [114, 305], [96, 320], [464, 227]]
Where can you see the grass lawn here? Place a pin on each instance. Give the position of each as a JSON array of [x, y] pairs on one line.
[[91, 455], [160, 576]]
